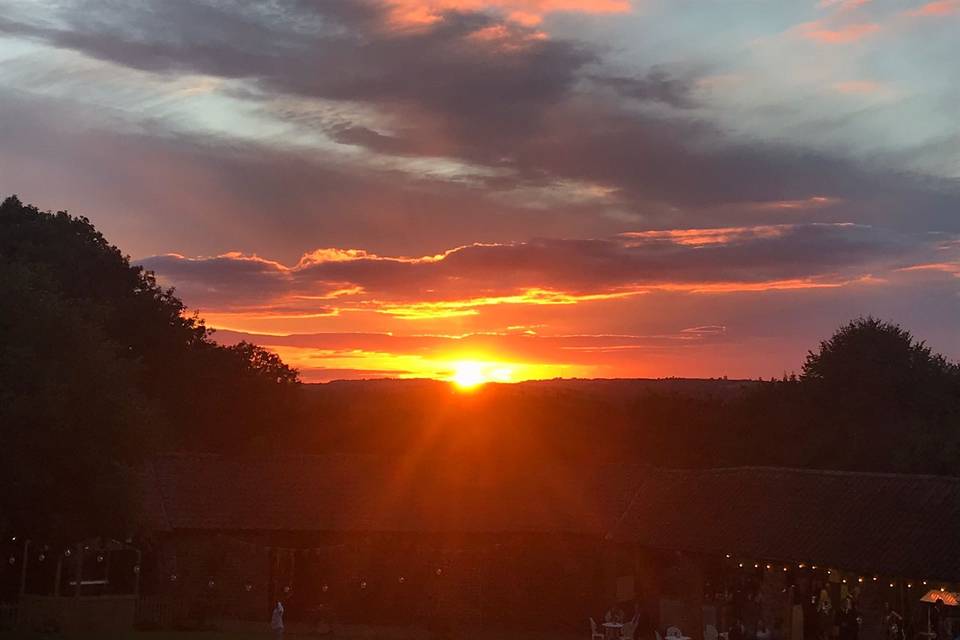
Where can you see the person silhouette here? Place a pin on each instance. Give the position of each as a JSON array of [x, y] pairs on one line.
[[276, 620]]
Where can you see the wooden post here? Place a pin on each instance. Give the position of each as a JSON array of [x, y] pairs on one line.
[[136, 577], [78, 573], [56, 577], [23, 568]]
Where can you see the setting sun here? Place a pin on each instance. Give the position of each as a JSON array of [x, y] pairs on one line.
[[469, 374]]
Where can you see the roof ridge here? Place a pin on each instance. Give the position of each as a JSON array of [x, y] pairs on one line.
[[810, 472]]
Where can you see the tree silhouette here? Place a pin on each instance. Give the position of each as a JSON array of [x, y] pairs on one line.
[[101, 366]]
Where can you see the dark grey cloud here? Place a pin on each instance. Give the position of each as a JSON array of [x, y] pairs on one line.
[[475, 87]]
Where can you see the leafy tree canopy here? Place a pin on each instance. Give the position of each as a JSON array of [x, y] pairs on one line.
[[100, 366]]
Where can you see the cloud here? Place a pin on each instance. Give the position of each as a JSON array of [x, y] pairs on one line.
[[819, 32], [465, 280], [937, 8], [505, 120], [529, 12]]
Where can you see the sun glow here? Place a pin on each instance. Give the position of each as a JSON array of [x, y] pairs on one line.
[[470, 374]]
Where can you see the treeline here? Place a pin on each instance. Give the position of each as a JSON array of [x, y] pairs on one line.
[[100, 368], [870, 398]]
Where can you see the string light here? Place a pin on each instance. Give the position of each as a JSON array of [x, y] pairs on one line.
[[740, 565], [402, 580], [943, 588], [286, 589], [68, 553], [891, 585], [136, 569], [924, 582], [860, 579], [909, 585], [173, 577], [844, 581], [728, 556], [784, 568], [211, 584], [800, 566], [363, 584], [440, 571], [100, 558], [874, 578], [769, 567], [42, 557], [12, 560], [756, 566], [325, 588]]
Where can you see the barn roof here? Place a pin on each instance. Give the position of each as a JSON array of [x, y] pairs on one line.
[[903, 525], [346, 492]]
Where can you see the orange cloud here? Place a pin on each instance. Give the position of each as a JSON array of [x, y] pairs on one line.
[[936, 8], [859, 87], [527, 12], [819, 32]]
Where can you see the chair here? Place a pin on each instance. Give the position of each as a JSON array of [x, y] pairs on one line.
[[710, 633], [595, 633], [673, 632]]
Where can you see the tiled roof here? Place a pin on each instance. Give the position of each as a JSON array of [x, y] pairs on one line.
[[897, 525], [367, 493]]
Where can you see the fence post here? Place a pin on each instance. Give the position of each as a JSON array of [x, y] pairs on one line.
[[23, 568]]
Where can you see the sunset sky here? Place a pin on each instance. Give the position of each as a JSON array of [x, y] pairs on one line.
[[590, 188]]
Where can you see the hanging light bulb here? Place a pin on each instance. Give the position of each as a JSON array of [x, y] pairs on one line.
[[363, 584], [740, 565], [909, 585], [402, 579], [769, 567], [860, 579], [728, 556], [440, 571], [891, 585], [924, 582], [756, 566]]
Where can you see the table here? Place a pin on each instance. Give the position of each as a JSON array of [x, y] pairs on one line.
[[611, 630]]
